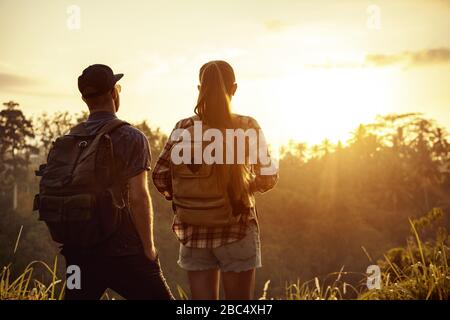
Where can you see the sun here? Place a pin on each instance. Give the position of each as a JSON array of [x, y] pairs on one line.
[[319, 104]]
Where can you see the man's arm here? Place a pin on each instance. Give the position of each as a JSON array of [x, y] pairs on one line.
[[142, 212]]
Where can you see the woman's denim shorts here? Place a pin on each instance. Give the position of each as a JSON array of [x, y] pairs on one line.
[[238, 256]]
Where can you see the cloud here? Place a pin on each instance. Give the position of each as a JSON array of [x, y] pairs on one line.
[[410, 58], [18, 84], [405, 59], [12, 81], [335, 65]]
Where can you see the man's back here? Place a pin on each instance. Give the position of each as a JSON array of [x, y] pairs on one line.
[[132, 156], [127, 261]]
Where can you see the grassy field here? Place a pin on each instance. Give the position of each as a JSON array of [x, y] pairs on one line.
[[417, 271]]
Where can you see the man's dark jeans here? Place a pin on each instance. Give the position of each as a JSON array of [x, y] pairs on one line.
[[134, 277]]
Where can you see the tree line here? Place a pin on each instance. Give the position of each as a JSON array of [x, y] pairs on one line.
[[335, 205]]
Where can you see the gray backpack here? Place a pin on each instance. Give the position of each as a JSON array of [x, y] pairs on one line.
[[80, 197]]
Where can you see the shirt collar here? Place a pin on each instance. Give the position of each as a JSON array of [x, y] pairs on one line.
[[101, 115]]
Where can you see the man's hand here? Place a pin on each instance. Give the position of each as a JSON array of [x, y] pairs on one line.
[[167, 195], [151, 253]]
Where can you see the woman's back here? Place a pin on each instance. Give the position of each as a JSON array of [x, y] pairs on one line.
[[223, 191]]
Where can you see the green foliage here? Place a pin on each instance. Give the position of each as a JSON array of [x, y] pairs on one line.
[[317, 290], [27, 287], [420, 271], [156, 138], [15, 147], [329, 204], [52, 127], [331, 201]]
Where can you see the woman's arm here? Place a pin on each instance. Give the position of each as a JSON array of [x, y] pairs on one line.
[[266, 171], [161, 176]]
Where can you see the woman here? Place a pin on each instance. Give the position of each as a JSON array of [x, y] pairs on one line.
[[231, 252]]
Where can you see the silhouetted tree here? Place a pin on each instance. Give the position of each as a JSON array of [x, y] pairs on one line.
[[15, 137], [51, 127]]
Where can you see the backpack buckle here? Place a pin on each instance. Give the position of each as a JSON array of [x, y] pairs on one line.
[[40, 172], [36, 202], [83, 144]]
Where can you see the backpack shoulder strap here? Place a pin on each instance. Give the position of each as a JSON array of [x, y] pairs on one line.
[[111, 126], [79, 130], [116, 188]]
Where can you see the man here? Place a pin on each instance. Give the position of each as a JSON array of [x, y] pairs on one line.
[[127, 262]]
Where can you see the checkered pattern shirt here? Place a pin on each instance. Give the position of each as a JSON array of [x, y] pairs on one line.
[[200, 236]]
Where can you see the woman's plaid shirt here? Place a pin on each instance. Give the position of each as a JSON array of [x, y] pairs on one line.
[[210, 237]]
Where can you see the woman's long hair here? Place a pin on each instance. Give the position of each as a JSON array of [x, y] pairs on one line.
[[213, 107]]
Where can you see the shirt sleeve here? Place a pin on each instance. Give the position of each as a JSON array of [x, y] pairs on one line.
[[134, 153], [161, 175], [266, 171]]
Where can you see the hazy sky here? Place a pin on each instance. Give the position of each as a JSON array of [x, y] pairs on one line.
[[306, 69]]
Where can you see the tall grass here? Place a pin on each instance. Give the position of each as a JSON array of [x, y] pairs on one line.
[[421, 273], [322, 289], [26, 287], [418, 271]]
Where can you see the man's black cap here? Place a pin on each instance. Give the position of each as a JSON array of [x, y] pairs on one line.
[[96, 80]]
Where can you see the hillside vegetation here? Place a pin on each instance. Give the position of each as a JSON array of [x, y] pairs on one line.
[[337, 209]]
